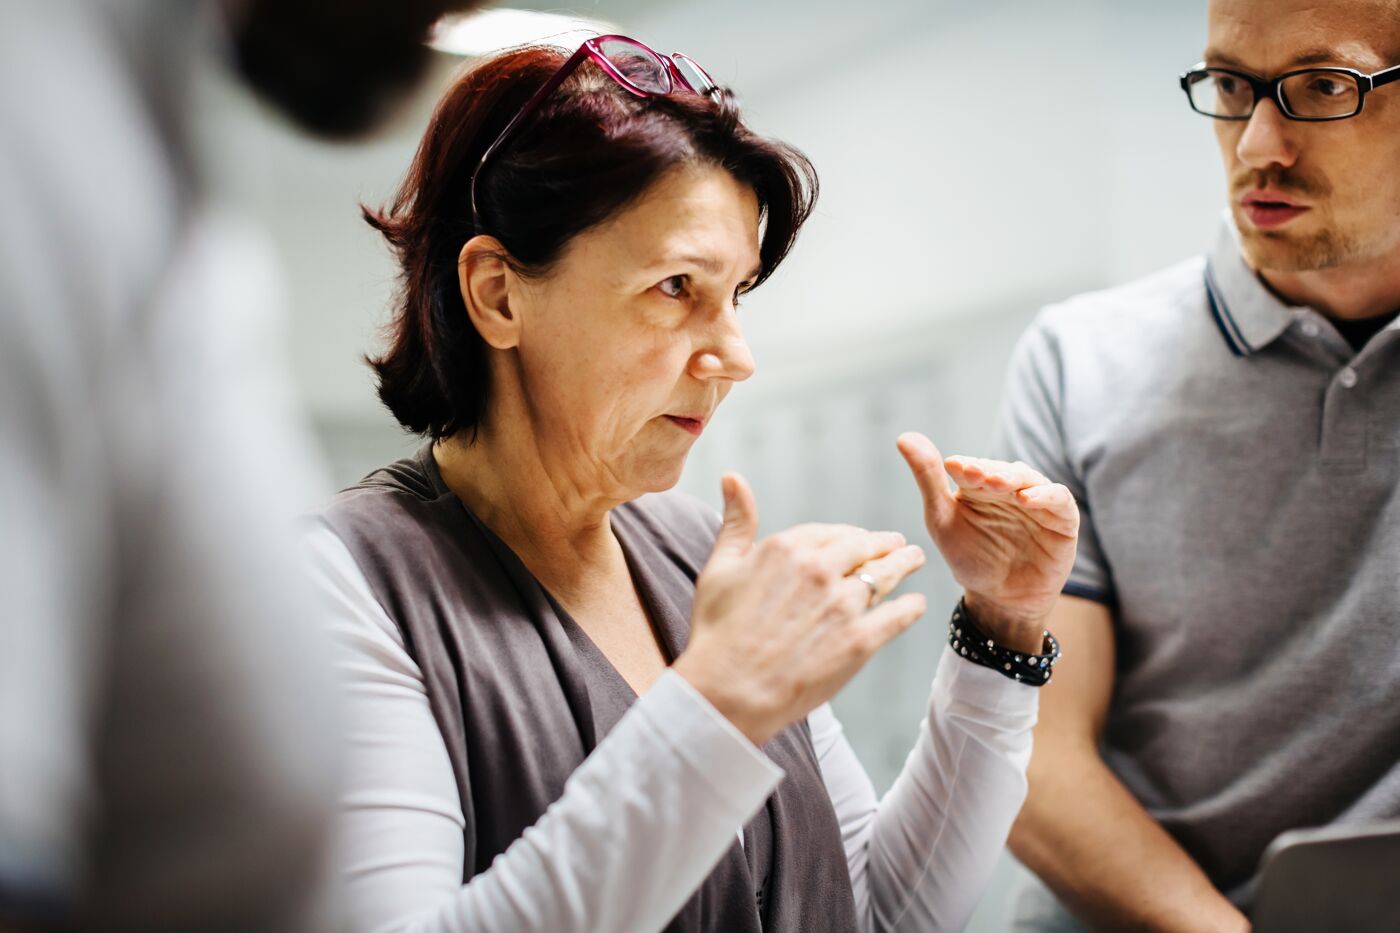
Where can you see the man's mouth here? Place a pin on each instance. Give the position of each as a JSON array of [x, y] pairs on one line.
[[1267, 209]]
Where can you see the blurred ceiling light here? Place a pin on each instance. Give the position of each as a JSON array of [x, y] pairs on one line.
[[493, 30]]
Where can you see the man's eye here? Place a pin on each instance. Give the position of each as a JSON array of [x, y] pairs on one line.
[[1327, 87], [674, 287]]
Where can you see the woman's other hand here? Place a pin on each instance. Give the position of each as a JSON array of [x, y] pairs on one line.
[[1007, 533], [780, 625]]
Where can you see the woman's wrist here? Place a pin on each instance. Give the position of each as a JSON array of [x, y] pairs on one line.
[[972, 641], [1017, 630], [737, 705]]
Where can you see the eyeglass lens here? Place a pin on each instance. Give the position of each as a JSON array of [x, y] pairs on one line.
[[643, 69], [1309, 94], [694, 75]]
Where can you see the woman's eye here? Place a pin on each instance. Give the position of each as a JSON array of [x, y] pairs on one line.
[[674, 287]]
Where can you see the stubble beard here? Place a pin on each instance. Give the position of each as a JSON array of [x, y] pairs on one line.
[[1277, 251]]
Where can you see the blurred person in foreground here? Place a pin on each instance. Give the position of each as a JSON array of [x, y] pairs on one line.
[[1231, 428], [166, 750], [581, 702]]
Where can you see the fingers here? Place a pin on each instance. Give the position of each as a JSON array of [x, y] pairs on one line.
[[1052, 507], [992, 475], [858, 548], [740, 526], [888, 572], [887, 621], [927, 466]]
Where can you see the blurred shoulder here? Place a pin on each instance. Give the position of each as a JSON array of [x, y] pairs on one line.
[[1140, 309]]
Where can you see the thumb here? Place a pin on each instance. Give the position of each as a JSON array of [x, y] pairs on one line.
[[926, 463], [740, 526]]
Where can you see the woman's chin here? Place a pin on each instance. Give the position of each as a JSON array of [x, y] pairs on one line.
[[657, 475]]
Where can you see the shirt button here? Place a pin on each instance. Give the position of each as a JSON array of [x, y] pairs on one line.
[[1310, 329], [1347, 377]]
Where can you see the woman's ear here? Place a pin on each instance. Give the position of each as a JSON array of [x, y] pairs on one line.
[[488, 283]]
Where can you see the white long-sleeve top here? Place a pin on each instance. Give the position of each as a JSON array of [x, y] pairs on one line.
[[650, 812]]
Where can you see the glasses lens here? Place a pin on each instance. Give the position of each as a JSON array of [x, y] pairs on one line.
[[1221, 94], [695, 77], [1321, 94], [642, 69]]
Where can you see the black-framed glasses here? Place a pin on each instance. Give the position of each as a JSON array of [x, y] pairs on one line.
[[628, 62], [1311, 94]]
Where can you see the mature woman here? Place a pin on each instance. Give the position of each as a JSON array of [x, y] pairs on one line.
[[576, 704]]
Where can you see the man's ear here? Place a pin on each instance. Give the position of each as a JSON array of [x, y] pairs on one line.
[[487, 283]]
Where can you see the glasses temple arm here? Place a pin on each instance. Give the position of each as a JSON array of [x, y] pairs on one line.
[[546, 89], [1385, 77]]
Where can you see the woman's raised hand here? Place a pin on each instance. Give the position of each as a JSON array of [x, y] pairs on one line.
[[1007, 533], [780, 625]]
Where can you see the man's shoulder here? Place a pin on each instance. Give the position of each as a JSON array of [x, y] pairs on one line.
[[1147, 308]]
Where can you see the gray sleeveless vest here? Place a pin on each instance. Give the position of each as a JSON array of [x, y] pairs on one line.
[[522, 695]]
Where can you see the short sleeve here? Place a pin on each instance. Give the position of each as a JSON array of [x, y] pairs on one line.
[[1032, 429]]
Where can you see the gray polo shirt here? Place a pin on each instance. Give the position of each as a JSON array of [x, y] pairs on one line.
[[1236, 464]]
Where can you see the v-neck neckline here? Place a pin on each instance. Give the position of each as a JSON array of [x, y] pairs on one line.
[[668, 624]]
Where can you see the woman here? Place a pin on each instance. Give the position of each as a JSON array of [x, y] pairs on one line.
[[559, 683]]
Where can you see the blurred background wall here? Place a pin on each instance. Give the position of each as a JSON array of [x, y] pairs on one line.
[[978, 160]]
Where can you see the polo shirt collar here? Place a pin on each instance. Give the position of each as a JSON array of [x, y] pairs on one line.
[[1250, 317]]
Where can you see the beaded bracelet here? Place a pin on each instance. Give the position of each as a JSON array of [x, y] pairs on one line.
[[968, 639]]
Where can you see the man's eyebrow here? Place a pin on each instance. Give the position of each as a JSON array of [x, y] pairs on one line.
[[1214, 57], [709, 263], [1315, 56]]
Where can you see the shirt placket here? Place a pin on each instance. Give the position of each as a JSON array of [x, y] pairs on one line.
[[1346, 410]]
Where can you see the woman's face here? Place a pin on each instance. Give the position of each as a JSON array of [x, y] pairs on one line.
[[631, 342]]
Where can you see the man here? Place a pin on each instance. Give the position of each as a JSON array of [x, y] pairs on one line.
[[166, 747], [1231, 428]]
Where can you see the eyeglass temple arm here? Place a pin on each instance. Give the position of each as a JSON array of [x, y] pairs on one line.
[[546, 89], [1385, 77]]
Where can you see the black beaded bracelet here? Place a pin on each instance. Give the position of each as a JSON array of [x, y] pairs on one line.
[[969, 640]]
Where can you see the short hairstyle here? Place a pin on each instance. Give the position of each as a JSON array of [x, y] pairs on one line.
[[588, 152]]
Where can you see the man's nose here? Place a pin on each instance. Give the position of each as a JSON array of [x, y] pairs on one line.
[[1267, 139]]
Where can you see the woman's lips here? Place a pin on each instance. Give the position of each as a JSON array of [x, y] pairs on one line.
[[693, 425], [1266, 212]]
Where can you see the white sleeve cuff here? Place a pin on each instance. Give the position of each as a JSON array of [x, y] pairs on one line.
[[731, 766], [971, 686]]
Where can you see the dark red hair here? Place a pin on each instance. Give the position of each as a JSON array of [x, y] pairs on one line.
[[588, 152]]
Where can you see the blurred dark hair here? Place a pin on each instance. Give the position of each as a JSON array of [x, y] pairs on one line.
[[587, 153], [337, 67]]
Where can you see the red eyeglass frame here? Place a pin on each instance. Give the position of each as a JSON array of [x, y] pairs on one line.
[[592, 50]]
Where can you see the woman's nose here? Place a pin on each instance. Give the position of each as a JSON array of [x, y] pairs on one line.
[[725, 354]]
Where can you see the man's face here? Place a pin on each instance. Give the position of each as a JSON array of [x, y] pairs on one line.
[[1308, 196]]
